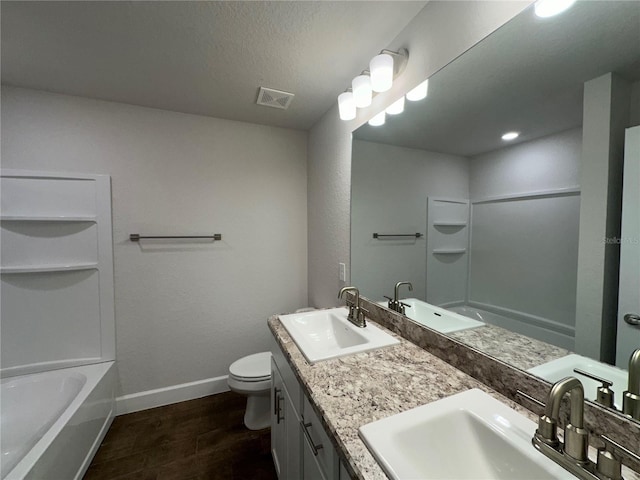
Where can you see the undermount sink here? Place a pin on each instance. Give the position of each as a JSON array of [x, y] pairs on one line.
[[470, 435], [563, 367], [437, 318], [326, 334]]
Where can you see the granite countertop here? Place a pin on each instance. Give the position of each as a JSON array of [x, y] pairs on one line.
[[513, 348], [352, 391]]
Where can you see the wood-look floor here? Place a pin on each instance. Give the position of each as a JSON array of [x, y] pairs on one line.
[[200, 439]]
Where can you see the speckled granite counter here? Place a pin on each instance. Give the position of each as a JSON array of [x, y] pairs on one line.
[[515, 349], [352, 391], [358, 389]]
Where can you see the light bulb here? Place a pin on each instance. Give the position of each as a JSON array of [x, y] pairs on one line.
[[381, 68], [419, 92], [362, 94], [549, 8], [346, 106], [510, 136], [396, 107], [377, 120]]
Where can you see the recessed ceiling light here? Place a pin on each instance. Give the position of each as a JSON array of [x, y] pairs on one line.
[[510, 136], [549, 8]]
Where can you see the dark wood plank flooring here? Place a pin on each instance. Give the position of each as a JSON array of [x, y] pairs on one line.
[[196, 440]]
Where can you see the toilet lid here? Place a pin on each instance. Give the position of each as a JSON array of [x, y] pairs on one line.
[[255, 367]]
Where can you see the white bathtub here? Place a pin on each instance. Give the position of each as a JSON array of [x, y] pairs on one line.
[[52, 423]]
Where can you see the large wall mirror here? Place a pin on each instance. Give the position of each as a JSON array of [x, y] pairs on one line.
[[489, 230]]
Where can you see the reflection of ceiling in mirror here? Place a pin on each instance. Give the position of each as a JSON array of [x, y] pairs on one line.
[[531, 65]]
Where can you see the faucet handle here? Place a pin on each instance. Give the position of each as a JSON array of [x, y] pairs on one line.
[[608, 467], [604, 395]]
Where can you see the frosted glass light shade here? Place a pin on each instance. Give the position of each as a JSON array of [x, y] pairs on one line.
[[362, 94], [396, 107], [419, 92], [377, 120], [381, 68], [549, 8], [346, 106]]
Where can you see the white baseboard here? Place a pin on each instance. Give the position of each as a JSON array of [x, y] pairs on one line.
[[168, 395]]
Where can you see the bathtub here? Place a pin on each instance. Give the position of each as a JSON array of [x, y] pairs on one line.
[[52, 423]]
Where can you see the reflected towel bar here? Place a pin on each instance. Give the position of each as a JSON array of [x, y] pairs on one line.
[[135, 237], [379, 235]]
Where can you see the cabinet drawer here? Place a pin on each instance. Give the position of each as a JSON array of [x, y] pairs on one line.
[[289, 378], [314, 432]]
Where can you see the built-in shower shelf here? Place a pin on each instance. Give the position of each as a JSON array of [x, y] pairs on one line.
[[449, 251], [449, 224], [23, 218], [49, 268]]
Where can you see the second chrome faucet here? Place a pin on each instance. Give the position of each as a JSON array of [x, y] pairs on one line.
[[356, 312], [395, 304]]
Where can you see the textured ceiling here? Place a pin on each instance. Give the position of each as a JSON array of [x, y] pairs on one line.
[[206, 58], [528, 76]]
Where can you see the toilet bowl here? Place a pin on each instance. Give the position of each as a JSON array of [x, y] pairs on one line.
[[251, 376]]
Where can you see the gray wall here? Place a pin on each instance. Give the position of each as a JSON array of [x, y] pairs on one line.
[[524, 250], [438, 34], [389, 191], [183, 312]]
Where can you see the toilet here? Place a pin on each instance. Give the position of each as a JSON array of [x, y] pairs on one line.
[[251, 376]]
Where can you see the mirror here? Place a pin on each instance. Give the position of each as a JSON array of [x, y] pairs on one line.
[[490, 230]]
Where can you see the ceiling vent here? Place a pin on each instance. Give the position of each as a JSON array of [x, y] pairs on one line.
[[274, 98]]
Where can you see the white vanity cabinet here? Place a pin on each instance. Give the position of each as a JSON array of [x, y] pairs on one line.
[[300, 446]]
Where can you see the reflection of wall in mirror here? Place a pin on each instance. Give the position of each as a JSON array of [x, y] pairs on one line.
[[389, 189], [390, 186]]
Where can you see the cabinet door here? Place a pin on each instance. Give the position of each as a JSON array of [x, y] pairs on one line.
[[278, 430]]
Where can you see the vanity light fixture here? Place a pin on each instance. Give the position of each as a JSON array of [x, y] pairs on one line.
[[381, 68], [377, 120], [510, 136], [549, 8], [362, 93], [384, 68], [346, 106], [396, 107], [419, 92]]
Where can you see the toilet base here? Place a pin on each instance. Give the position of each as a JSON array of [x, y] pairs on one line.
[[257, 415]]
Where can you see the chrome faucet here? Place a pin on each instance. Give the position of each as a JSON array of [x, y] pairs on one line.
[[631, 397], [576, 438], [394, 303], [572, 455], [356, 312]]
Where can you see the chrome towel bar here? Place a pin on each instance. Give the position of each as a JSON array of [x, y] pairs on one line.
[[380, 235], [136, 237]]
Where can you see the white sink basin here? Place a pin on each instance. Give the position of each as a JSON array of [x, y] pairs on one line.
[[325, 334], [437, 318], [470, 435], [563, 367]]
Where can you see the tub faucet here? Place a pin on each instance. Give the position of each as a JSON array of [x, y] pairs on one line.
[[356, 312], [631, 398], [395, 304]]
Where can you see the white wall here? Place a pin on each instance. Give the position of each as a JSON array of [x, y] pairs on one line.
[[438, 34], [184, 311], [551, 162], [524, 251], [389, 191]]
